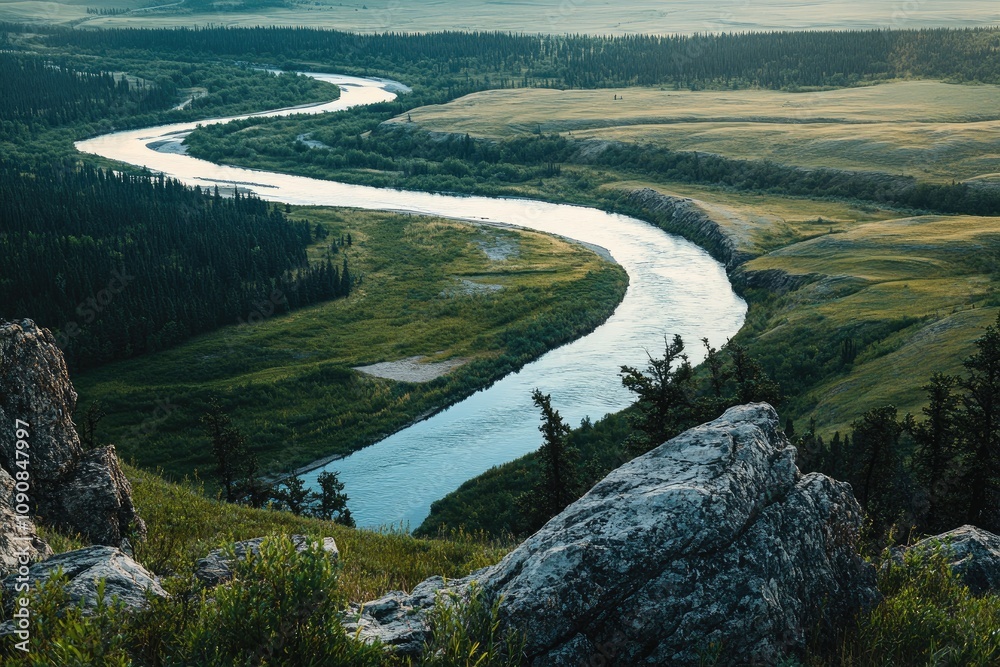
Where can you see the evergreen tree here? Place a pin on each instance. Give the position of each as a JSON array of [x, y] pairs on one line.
[[935, 455], [330, 503], [88, 429], [752, 384], [559, 485], [293, 495], [664, 397], [981, 423], [228, 446], [877, 472]]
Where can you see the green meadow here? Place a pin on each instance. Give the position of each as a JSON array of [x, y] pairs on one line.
[[428, 288]]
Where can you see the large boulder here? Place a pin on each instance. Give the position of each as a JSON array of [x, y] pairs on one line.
[[217, 566], [973, 553], [83, 492], [711, 542], [125, 580]]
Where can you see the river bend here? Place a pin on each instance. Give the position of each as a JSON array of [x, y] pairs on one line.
[[675, 287]]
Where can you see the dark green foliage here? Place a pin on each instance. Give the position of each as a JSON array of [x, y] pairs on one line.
[[292, 495], [88, 425], [665, 397], [752, 383], [981, 425], [559, 483], [38, 91], [936, 440], [229, 448], [331, 501], [931, 475], [771, 60], [876, 475], [119, 265]]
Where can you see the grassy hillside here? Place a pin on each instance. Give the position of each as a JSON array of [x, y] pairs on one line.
[[927, 129], [184, 525], [910, 294], [486, 298]]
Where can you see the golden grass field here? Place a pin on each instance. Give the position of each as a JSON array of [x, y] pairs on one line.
[[928, 129], [603, 17]]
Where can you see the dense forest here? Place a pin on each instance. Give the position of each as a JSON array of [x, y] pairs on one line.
[[771, 60], [51, 101], [118, 265], [37, 90]]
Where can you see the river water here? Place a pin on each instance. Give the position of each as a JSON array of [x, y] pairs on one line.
[[675, 287]]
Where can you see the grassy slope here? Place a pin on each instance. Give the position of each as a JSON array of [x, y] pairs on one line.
[[287, 380], [184, 525], [934, 131], [932, 276]]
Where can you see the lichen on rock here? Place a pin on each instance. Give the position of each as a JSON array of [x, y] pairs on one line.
[[713, 541]]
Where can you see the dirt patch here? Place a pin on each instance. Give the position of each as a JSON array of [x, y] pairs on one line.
[[411, 369], [499, 249], [468, 287]]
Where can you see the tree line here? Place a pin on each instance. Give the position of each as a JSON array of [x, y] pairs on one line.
[[771, 60], [118, 265]]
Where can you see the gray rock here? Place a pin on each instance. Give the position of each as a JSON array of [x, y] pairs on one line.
[[96, 499], [713, 538], [397, 620], [216, 567], [18, 540], [35, 387], [973, 553], [124, 579], [83, 492]]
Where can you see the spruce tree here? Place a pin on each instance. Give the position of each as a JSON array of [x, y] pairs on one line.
[[981, 423]]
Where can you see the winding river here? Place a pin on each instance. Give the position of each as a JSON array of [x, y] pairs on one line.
[[675, 287]]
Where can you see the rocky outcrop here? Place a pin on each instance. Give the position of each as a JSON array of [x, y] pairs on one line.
[[398, 620], [683, 216], [713, 539], [97, 499], [124, 579], [19, 543], [973, 553], [83, 492], [35, 388], [773, 280], [216, 567]]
